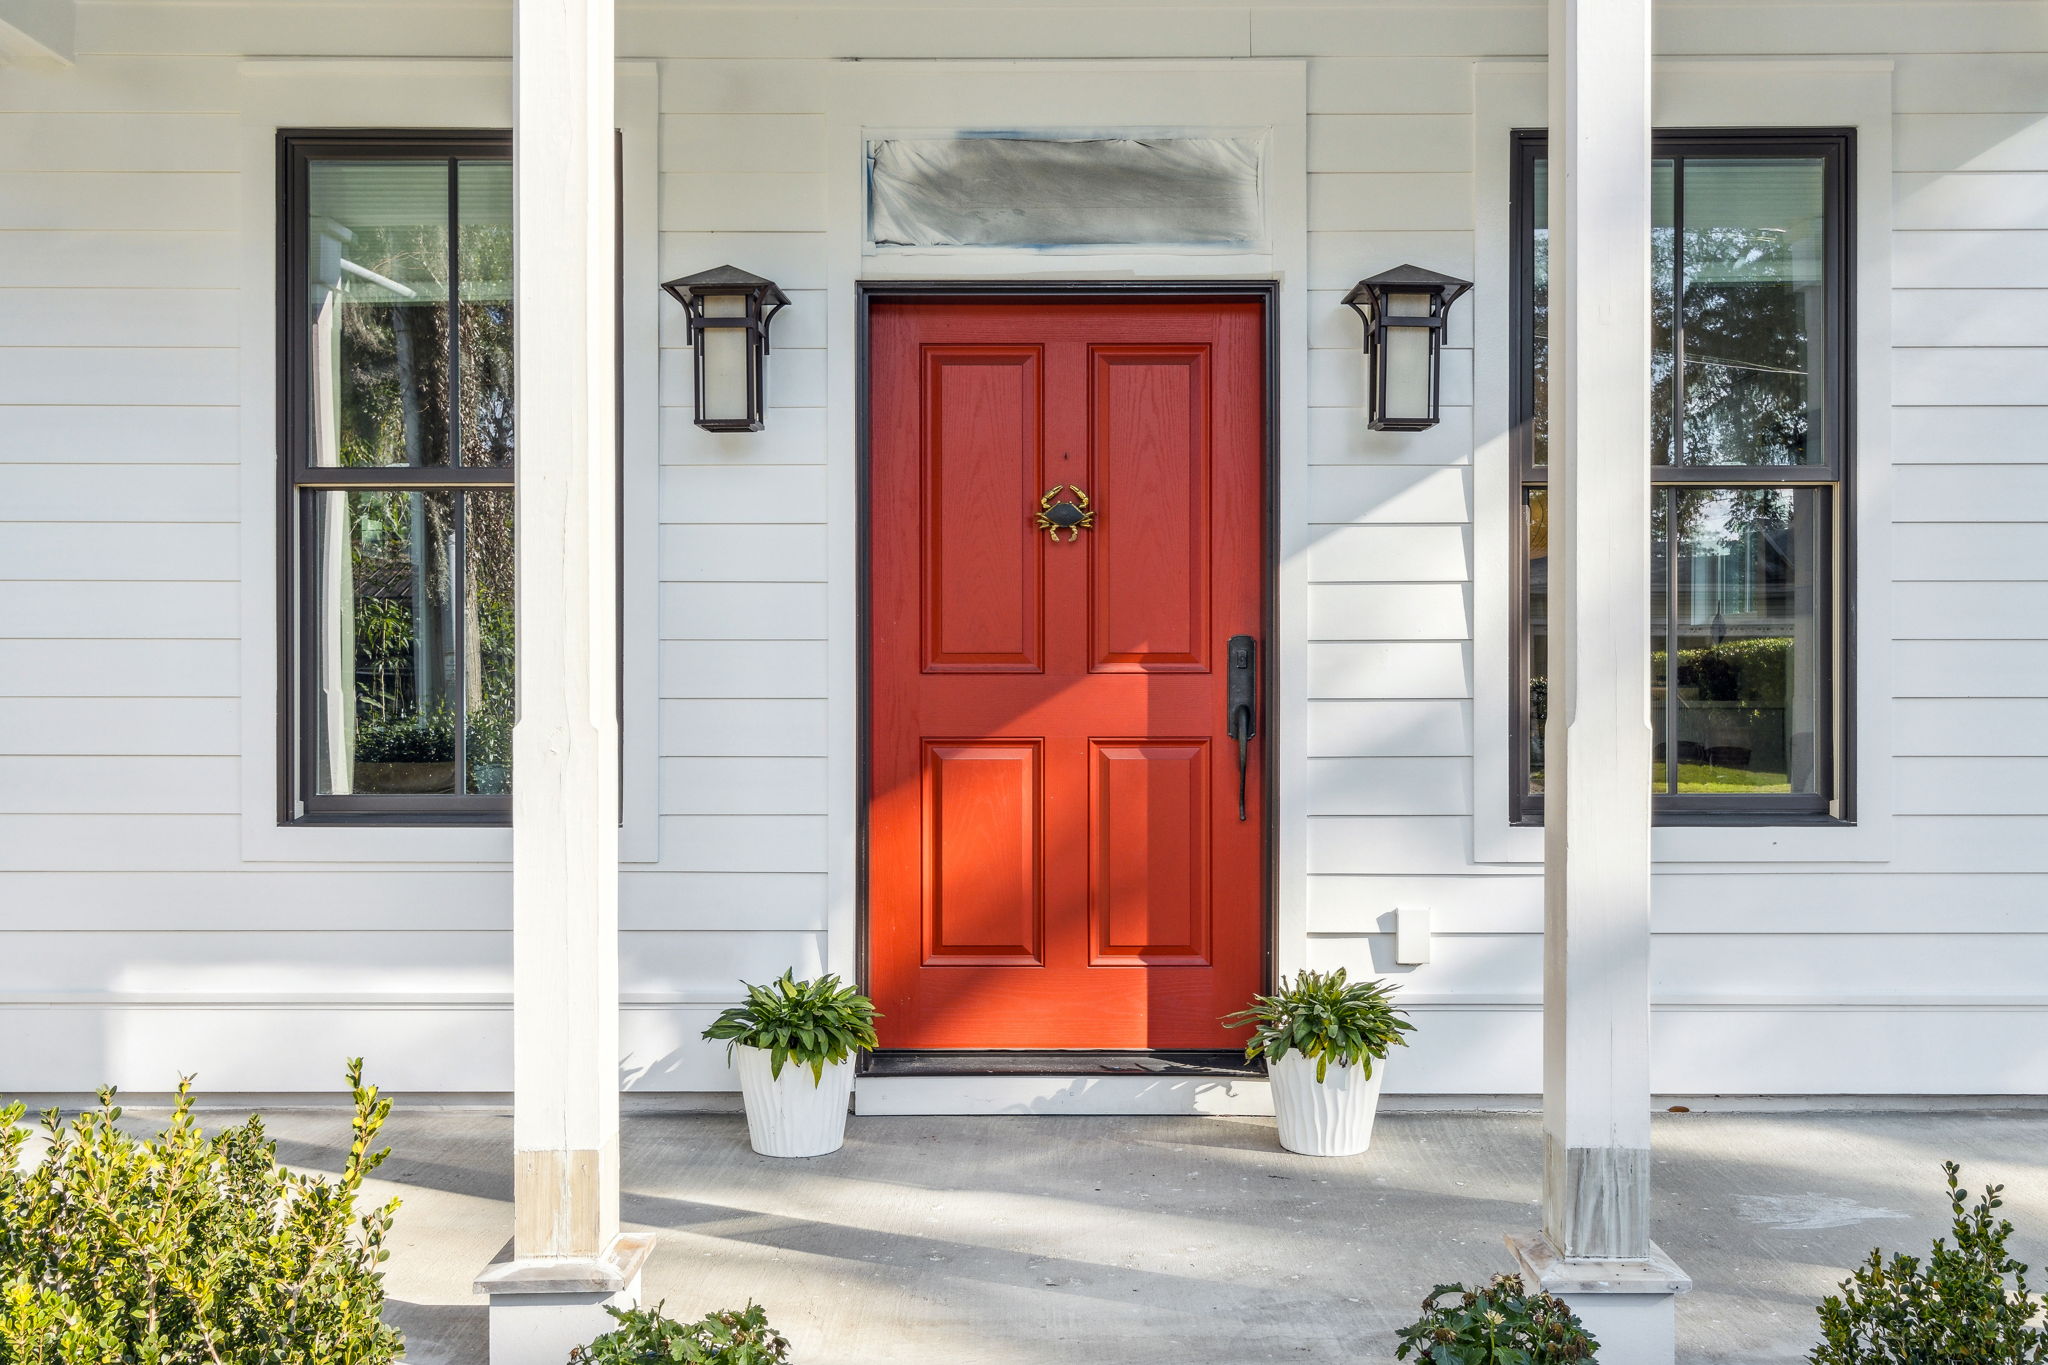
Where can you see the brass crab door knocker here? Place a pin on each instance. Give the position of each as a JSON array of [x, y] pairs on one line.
[[1072, 516]]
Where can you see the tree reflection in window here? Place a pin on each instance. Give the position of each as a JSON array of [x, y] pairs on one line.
[[407, 649]]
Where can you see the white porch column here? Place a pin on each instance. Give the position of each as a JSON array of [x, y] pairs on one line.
[[1595, 1248], [568, 1257]]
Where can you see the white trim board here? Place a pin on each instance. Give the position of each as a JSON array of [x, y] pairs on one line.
[[1271, 95], [320, 93], [1703, 93]]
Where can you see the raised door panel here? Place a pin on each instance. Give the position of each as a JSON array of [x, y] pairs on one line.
[[1149, 824], [1150, 555], [983, 847], [981, 588]]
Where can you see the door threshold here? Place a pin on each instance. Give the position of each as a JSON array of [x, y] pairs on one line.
[[1060, 1063], [987, 1084]]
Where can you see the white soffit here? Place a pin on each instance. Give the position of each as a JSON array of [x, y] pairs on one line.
[[37, 33]]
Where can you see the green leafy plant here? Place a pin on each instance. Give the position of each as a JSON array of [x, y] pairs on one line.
[[740, 1337], [813, 1022], [422, 737], [1501, 1324], [1326, 1018], [1958, 1305], [185, 1249]]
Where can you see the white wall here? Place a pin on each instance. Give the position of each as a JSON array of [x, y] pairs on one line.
[[142, 941]]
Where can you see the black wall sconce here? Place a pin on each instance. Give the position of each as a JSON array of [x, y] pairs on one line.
[[729, 311], [1403, 310]]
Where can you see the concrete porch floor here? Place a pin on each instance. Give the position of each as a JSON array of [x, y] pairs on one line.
[[1144, 1241]]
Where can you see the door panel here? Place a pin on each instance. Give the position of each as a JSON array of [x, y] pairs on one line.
[[981, 563], [1151, 573], [1150, 825], [982, 814], [1055, 858]]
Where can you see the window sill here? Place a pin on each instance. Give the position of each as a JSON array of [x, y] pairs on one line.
[[1723, 820], [406, 820]]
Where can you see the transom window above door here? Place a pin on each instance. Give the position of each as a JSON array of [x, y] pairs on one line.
[[397, 446], [1749, 450]]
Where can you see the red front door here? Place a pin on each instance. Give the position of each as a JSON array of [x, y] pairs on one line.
[[1055, 854]]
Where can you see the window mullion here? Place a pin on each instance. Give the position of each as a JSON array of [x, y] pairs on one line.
[[454, 315], [1677, 311], [458, 573], [458, 583], [1670, 641]]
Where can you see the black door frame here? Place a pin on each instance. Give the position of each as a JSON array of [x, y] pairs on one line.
[[1094, 1062]]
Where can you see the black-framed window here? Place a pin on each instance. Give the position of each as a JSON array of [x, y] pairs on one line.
[[396, 445], [1750, 443]]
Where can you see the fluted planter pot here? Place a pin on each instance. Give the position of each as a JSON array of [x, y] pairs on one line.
[[789, 1115], [1331, 1117]]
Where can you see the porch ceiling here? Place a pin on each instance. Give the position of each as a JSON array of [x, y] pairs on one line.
[[37, 33], [1156, 1241]]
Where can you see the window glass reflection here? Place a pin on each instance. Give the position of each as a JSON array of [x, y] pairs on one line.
[[1755, 309], [377, 286], [1663, 295], [1536, 540], [484, 310], [1737, 649], [1744, 644], [385, 699], [1539, 290], [488, 640], [1741, 290]]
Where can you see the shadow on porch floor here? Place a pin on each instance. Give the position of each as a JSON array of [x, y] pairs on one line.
[[1143, 1241]]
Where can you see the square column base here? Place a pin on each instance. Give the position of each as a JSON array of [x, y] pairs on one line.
[[541, 1307], [1630, 1307]]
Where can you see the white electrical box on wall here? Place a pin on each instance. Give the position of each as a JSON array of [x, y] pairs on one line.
[[1411, 936]]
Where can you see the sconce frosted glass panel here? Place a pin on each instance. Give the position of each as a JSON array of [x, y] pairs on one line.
[[1038, 192], [725, 361], [1407, 359]]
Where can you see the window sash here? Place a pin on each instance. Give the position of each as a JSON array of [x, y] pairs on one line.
[[1832, 149], [1834, 722]]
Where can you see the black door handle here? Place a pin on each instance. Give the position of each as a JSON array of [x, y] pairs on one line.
[[1241, 704]]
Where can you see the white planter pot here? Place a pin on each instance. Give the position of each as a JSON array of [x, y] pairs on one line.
[[789, 1115], [1332, 1117]]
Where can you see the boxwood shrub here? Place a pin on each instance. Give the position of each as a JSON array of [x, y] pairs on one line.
[[185, 1248]]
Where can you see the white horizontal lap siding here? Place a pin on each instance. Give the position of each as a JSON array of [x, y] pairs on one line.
[[745, 523], [133, 938], [1689, 968], [1389, 796], [682, 966], [1970, 609], [1970, 378], [119, 571]]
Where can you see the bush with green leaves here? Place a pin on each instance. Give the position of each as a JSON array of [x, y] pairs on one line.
[[1326, 1018], [815, 1023], [185, 1249], [1501, 1324], [644, 1336], [1966, 1302], [417, 737]]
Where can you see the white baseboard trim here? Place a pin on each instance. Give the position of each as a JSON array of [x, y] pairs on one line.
[[1042, 1095]]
